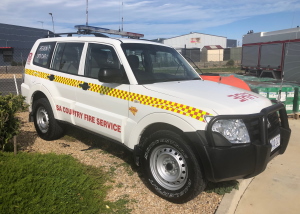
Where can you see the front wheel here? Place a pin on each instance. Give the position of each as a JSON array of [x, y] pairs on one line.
[[171, 168]]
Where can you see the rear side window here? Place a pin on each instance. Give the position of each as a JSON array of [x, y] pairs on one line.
[[67, 57], [43, 54]]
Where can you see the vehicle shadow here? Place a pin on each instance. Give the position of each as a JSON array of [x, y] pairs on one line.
[[95, 141], [25, 138], [119, 150]]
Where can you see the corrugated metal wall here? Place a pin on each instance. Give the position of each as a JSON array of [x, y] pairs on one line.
[[195, 40], [292, 62]]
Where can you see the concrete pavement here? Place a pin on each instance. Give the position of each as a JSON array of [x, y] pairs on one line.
[[276, 190]]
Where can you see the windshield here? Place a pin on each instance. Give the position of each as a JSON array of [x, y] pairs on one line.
[[155, 63]]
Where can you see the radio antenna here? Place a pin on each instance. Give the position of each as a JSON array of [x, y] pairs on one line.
[[122, 15], [87, 12]]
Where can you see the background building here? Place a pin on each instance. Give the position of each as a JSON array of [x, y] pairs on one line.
[[21, 39], [195, 40], [192, 46], [231, 43]]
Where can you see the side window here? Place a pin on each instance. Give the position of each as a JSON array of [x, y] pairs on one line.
[[43, 54], [100, 56], [67, 57]]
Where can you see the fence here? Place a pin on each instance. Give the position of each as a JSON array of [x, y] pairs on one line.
[[11, 71], [213, 58]]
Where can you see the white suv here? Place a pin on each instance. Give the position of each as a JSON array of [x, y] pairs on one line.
[[182, 130]]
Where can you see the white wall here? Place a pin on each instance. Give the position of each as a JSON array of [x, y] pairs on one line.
[[279, 35], [204, 39]]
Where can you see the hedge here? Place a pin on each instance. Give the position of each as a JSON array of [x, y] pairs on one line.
[[9, 124]]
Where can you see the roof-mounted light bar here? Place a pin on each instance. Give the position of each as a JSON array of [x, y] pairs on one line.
[[85, 29]]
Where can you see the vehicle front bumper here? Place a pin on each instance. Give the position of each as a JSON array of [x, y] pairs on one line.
[[223, 161]]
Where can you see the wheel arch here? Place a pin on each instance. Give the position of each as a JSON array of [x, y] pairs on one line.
[[39, 91], [155, 121], [178, 125]]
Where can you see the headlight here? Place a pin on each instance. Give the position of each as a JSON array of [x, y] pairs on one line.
[[233, 130]]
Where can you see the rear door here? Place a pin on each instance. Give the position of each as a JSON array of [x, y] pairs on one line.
[[64, 78]]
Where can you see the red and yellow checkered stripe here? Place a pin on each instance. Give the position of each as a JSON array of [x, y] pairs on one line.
[[125, 95], [169, 106], [37, 73]]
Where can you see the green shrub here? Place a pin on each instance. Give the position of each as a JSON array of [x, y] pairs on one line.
[[9, 123], [230, 62]]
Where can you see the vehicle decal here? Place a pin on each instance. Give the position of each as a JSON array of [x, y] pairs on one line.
[[68, 81], [133, 97], [37, 73], [242, 97], [90, 118], [133, 110]]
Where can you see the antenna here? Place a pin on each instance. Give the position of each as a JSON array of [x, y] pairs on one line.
[[122, 15], [87, 12]]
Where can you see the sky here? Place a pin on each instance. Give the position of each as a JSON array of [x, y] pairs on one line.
[[157, 18]]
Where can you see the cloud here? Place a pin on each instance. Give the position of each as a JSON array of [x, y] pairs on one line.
[[154, 18]]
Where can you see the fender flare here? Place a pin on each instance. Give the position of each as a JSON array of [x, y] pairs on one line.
[[41, 88], [136, 133]]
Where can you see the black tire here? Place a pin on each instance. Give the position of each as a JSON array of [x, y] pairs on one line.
[[171, 169], [45, 124]]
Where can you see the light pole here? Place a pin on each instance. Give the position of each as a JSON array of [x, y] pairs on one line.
[[52, 22]]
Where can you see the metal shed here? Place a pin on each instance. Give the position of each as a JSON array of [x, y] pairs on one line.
[[212, 53]]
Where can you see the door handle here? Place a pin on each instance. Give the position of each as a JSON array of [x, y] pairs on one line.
[[85, 86], [51, 77]]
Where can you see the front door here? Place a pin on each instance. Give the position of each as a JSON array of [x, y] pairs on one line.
[[102, 107]]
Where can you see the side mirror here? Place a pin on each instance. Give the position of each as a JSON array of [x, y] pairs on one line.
[[110, 75]]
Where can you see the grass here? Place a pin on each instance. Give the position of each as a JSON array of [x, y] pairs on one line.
[[127, 168], [50, 183], [222, 187]]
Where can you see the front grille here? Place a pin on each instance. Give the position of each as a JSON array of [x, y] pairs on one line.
[[254, 127], [274, 122]]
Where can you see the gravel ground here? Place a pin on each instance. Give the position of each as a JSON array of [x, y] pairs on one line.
[[116, 160]]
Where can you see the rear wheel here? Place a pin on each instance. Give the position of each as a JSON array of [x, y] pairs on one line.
[[45, 124], [171, 168]]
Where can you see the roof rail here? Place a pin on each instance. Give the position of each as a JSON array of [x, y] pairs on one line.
[[71, 34], [85, 29]]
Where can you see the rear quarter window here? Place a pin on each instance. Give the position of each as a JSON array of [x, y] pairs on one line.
[[43, 54]]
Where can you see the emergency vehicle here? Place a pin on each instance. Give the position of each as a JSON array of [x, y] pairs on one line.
[[183, 131]]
